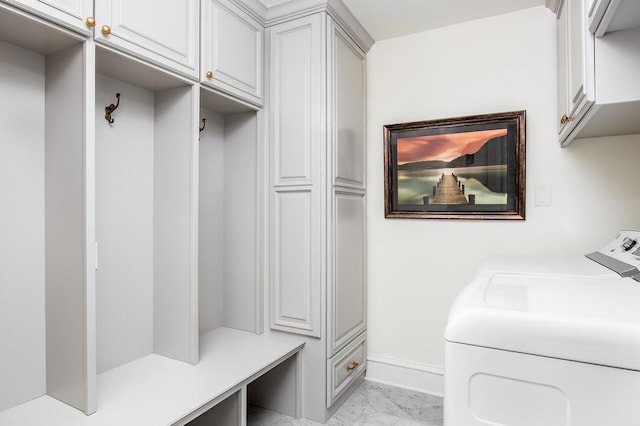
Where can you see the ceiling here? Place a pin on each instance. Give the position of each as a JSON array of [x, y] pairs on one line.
[[394, 18]]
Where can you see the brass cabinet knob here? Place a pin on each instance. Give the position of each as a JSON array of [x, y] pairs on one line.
[[352, 366], [209, 74], [106, 30], [565, 119], [90, 21]]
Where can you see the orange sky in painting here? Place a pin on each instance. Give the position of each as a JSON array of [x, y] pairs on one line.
[[443, 147]]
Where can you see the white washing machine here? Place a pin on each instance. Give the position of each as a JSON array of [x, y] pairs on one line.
[[548, 341]]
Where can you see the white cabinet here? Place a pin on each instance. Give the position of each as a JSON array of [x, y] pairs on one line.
[[318, 203], [597, 93], [347, 314], [191, 224], [297, 145], [73, 14], [318, 179], [613, 15], [232, 45], [164, 32], [575, 65]]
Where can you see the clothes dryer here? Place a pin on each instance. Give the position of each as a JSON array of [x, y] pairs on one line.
[[529, 344]]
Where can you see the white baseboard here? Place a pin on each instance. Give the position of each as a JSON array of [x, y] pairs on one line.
[[405, 374]]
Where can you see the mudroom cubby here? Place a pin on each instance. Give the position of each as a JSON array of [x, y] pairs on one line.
[[146, 214], [43, 267], [228, 412], [230, 283]]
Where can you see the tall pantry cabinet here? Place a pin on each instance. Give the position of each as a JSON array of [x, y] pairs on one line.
[[318, 198]]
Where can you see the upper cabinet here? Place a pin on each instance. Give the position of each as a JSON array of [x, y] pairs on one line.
[[575, 64], [598, 92], [232, 45], [73, 14], [164, 32], [612, 15], [169, 33]]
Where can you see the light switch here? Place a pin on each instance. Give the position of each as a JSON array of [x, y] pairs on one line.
[[543, 194]]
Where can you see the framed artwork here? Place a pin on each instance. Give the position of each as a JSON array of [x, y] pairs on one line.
[[456, 168]]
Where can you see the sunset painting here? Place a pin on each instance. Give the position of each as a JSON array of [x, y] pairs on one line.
[[452, 169]]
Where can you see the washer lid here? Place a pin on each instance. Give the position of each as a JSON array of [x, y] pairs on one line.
[[594, 320], [544, 265]]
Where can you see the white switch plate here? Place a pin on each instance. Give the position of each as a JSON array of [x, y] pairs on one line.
[[543, 194]]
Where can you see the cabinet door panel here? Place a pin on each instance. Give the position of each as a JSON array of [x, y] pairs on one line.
[[295, 291], [231, 50], [563, 76], [577, 84], [164, 32], [298, 145], [577, 77], [581, 52], [69, 13], [297, 102], [347, 286], [348, 94]]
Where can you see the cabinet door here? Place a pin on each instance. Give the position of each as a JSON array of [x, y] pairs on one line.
[[347, 103], [580, 75], [164, 32], [347, 282], [68, 13], [346, 127], [581, 52], [563, 67], [231, 57], [298, 145], [595, 11]]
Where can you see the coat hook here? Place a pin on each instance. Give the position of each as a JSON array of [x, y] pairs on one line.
[[108, 110], [204, 122]]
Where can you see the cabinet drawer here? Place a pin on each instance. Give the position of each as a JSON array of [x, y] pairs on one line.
[[345, 367]]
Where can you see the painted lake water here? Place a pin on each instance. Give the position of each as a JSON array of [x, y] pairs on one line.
[[415, 184]]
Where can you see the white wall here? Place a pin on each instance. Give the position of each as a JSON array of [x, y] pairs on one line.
[[503, 63], [124, 224]]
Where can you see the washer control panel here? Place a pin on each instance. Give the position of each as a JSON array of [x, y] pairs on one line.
[[621, 255]]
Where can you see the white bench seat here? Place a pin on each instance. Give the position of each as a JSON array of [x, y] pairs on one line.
[[156, 390]]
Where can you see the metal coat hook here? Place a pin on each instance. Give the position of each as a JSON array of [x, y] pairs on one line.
[[204, 122], [109, 109]]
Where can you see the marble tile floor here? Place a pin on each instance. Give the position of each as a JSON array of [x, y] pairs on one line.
[[372, 404]]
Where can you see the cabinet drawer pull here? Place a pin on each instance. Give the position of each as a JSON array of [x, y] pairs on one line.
[[352, 366], [209, 74], [90, 21], [565, 119], [106, 30]]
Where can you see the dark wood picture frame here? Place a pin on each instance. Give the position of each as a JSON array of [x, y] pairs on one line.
[[456, 168]]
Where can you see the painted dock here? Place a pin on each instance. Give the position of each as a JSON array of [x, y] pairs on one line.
[[449, 191]]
